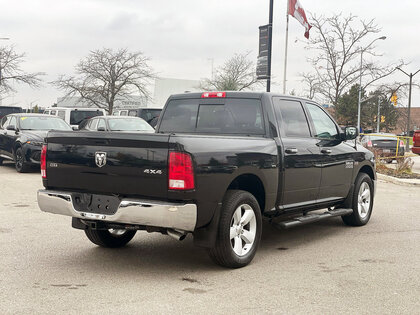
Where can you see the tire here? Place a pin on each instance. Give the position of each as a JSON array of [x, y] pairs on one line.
[[110, 238], [234, 246], [20, 164], [389, 161], [361, 213]]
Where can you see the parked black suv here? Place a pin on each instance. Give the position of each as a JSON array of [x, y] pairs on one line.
[[218, 163]]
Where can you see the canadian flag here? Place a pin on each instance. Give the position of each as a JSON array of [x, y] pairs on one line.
[[296, 10]]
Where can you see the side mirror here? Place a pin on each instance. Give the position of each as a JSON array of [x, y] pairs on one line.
[[350, 133], [75, 128], [101, 128], [11, 127]]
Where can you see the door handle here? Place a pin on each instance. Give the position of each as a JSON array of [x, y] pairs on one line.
[[291, 150], [326, 151]]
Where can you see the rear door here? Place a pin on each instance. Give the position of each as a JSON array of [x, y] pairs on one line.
[[336, 156], [301, 172], [3, 134], [10, 136]]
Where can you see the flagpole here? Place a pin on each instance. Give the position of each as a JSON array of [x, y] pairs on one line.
[[285, 47]]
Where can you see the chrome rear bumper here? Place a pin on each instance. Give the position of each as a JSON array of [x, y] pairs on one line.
[[130, 211]]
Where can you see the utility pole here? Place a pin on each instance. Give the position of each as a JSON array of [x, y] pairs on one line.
[[411, 75], [270, 43], [360, 79]]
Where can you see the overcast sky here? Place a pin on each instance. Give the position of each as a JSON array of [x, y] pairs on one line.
[[180, 36]]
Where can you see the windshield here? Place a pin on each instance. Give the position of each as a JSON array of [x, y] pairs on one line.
[[42, 123], [77, 116], [235, 116], [129, 124]]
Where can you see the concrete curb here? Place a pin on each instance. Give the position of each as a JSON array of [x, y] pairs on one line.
[[399, 181]]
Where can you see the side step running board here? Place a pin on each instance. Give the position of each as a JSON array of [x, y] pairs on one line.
[[310, 218]]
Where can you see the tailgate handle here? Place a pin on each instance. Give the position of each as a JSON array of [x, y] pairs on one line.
[[101, 141]]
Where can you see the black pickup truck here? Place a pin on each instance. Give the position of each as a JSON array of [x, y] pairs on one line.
[[217, 164]]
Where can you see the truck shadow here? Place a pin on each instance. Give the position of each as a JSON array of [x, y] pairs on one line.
[[147, 254]]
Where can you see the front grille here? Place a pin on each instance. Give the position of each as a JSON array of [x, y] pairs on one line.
[[36, 156]]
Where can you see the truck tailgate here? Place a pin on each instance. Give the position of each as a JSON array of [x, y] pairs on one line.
[[133, 164]]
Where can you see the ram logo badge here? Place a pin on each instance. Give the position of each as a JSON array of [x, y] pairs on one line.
[[100, 159]]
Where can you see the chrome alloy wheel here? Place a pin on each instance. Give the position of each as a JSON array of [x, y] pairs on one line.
[[243, 228], [364, 199], [116, 232]]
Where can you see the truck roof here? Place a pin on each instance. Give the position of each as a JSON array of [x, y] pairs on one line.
[[236, 94]]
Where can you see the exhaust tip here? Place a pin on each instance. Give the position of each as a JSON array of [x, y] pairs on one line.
[[179, 236]]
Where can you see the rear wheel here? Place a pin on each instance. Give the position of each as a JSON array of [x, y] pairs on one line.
[[110, 238], [362, 201], [239, 230], [20, 164]]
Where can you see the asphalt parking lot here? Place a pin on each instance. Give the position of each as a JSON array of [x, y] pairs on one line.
[[325, 268]]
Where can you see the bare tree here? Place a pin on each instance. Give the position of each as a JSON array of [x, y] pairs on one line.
[[106, 76], [237, 74], [11, 71], [339, 41]]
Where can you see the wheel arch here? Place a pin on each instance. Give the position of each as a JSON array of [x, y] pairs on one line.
[[253, 184]]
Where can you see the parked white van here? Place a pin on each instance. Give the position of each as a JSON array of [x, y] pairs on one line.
[[74, 116]]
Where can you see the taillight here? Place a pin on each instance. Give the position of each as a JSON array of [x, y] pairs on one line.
[[44, 161], [401, 143], [213, 94], [369, 144], [181, 173]]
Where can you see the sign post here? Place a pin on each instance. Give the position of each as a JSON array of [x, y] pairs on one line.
[[265, 45]]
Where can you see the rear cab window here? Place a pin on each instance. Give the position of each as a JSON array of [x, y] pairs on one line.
[[291, 118], [237, 116]]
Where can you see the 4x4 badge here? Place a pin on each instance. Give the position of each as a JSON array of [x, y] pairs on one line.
[[100, 159]]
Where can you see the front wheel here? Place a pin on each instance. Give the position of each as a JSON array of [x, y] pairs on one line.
[[239, 231], [110, 238], [20, 164], [362, 201]]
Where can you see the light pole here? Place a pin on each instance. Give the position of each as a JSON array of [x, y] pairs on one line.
[[360, 78], [411, 75]]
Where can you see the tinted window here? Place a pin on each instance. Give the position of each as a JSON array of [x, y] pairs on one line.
[[149, 114], [132, 113], [325, 128], [384, 137], [235, 116], [76, 116], [4, 110], [293, 122], [42, 123]]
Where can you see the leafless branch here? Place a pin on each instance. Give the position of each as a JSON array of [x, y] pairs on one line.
[[106, 76]]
